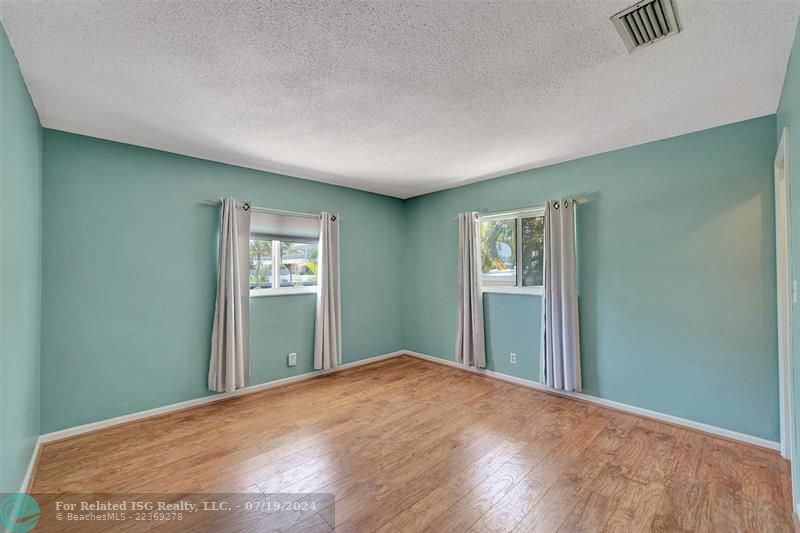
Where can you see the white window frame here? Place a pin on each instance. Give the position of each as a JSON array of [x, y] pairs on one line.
[[276, 275], [517, 214]]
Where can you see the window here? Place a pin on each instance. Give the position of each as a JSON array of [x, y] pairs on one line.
[[283, 254], [512, 251], [294, 264], [499, 251], [260, 264], [298, 264], [532, 259]]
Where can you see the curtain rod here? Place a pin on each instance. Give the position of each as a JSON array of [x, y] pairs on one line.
[[578, 200], [269, 210]]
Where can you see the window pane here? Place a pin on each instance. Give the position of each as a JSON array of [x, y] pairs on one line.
[[499, 251], [298, 264], [260, 264], [533, 251]]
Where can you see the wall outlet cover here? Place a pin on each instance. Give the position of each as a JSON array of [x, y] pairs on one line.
[[292, 359], [513, 358]]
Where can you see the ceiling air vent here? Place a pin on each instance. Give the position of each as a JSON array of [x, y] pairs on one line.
[[645, 23]]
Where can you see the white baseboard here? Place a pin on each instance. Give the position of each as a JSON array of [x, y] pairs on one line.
[[102, 424], [26, 481], [691, 424]]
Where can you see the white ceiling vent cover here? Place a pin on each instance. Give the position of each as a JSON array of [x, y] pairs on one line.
[[645, 23]]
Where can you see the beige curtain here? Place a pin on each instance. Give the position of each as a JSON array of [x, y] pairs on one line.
[[229, 368], [470, 345], [560, 366], [328, 330]]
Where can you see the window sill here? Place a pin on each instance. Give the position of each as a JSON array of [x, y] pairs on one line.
[[284, 291], [501, 289]]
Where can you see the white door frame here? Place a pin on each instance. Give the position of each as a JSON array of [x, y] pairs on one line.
[[787, 295]]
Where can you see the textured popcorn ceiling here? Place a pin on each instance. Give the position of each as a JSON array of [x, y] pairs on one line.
[[400, 98]]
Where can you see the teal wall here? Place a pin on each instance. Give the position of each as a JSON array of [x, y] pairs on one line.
[[506, 333], [789, 116], [676, 275], [20, 270], [129, 276]]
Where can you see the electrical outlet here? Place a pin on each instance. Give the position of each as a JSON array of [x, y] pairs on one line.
[[292, 359], [513, 358]]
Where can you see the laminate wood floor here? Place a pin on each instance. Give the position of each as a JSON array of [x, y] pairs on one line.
[[408, 445]]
